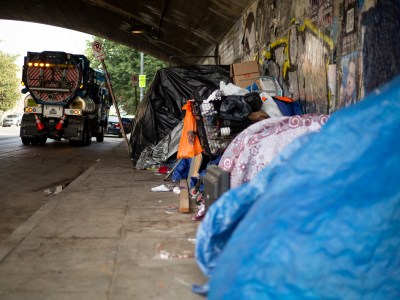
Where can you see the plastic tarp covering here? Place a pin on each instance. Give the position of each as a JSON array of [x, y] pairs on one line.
[[322, 221], [164, 150], [160, 110]]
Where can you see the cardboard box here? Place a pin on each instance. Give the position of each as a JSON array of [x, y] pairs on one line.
[[243, 74]]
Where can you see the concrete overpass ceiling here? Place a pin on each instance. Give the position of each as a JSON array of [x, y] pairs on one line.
[[171, 27]]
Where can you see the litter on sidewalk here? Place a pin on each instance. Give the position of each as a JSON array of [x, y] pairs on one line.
[[161, 188]]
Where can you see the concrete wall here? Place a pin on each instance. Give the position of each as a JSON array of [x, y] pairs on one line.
[[326, 53]]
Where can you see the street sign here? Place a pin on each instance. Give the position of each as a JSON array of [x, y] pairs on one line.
[[98, 50], [135, 80], [142, 81]]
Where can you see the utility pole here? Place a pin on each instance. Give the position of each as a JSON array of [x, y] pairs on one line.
[[99, 54], [141, 73]]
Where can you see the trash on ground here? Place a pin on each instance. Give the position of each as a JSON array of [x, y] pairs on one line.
[[171, 210], [54, 190], [163, 170], [176, 190], [160, 188], [185, 254]]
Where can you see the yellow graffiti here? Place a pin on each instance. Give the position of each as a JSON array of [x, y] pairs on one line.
[[330, 102], [328, 41], [308, 24], [284, 41], [275, 44]]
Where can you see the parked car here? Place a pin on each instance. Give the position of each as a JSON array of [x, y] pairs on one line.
[[127, 122], [113, 126], [14, 119]]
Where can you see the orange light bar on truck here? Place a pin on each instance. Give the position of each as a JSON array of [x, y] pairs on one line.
[[49, 65]]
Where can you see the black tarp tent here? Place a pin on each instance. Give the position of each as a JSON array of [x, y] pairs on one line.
[[160, 110]]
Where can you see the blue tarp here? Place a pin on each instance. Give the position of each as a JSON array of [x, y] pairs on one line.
[[182, 170], [322, 221]]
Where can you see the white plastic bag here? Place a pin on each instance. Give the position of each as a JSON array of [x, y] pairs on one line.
[[231, 89], [269, 106]]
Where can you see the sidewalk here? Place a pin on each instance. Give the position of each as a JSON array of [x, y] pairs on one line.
[[105, 236]]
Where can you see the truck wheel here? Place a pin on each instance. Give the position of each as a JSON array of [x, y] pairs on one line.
[[100, 136], [42, 140], [89, 140], [26, 141], [84, 138], [74, 143], [88, 134]]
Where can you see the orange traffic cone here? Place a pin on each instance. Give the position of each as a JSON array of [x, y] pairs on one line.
[[60, 123], [39, 124]]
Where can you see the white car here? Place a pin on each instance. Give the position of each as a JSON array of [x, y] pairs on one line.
[[14, 119]]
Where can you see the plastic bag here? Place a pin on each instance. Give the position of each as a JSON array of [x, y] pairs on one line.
[[254, 100], [238, 108], [234, 108], [189, 145], [231, 89], [269, 106]]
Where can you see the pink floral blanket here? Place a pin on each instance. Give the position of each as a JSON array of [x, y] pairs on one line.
[[257, 145]]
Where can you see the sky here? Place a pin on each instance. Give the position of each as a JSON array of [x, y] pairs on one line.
[[20, 37]]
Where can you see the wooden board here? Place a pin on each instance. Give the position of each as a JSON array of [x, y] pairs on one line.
[[184, 206], [184, 203]]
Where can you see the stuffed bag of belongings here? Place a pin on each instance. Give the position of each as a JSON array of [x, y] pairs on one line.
[[322, 221]]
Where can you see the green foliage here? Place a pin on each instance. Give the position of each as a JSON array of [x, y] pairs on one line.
[[122, 62], [9, 82]]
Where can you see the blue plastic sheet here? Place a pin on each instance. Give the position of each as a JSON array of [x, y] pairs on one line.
[[322, 221], [182, 170], [288, 109]]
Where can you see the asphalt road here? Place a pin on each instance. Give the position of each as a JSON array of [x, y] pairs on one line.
[[30, 174]]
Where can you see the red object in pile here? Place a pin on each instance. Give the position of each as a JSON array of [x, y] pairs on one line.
[[163, 170]]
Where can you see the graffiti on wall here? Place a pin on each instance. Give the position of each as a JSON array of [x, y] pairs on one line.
[[314, 47], [302, 53], [309, 80], [298, 55]]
